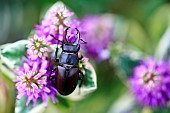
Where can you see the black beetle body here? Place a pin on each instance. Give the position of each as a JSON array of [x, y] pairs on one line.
[[67, 72]]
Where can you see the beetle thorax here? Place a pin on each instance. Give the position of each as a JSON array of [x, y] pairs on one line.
[[71, 48]]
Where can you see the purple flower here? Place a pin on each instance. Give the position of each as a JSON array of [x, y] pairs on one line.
[[38, 47], [31, 82], [46, 28], [55, 24], [150, 83], [97, 31], [61, 16]]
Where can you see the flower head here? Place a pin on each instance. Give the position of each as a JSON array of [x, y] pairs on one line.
[[150, 83], [38, 47], [61, 16], [32, 82], [46, 28], [55, 23], [98, 33]]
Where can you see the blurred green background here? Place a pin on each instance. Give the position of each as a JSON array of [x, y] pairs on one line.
[[19, 16], [140, 24]]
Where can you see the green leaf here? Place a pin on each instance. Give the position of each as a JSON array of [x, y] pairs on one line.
[[161, 110], [163, 48], [137, 37], [63, 103], [125, 104], [22, 108], [158, 23], [12, 53], [10, 57], [126, 64], [88, 80], [15, 50]]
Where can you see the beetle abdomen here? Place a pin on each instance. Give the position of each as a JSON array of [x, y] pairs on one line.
[[66, 80]]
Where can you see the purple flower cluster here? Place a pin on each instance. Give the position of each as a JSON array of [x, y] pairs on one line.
[[55, 24], [38, 47], [98, 32], [151, 83], [32, 80]]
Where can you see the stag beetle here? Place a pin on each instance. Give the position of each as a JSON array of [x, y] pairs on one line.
[[67, 72]]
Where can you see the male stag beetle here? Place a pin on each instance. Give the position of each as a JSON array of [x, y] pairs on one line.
[[67, 72]]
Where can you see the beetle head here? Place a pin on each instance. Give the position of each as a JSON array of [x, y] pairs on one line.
[[71, 36]]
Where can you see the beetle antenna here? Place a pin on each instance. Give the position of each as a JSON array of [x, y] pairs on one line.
[[55, 38], [83, 41]]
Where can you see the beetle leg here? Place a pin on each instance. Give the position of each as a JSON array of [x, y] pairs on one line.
[[52, 78], [52, 71], [81, 57], [81, 79], [56, 53], [81, 82]]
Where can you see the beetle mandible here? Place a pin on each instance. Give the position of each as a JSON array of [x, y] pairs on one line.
[[67, 72]]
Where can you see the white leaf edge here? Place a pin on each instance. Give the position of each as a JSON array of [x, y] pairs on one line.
[[163, 46], [5, 48], [10, 64], [123, 104], [38, 109]]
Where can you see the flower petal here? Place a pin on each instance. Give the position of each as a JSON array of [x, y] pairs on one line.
[[35, 67], [26, 67]]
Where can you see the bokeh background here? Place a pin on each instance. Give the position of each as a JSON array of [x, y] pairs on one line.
[[139, 26]]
